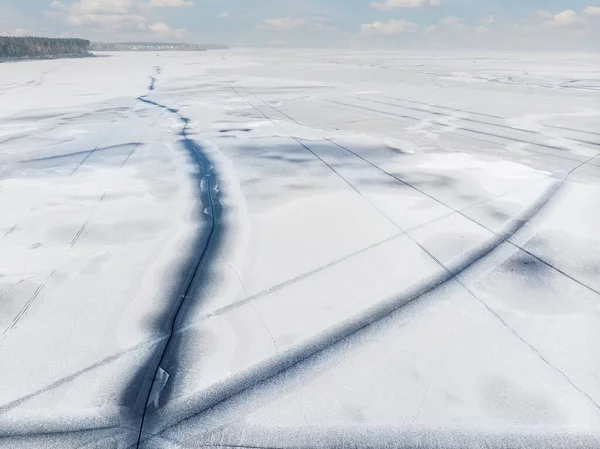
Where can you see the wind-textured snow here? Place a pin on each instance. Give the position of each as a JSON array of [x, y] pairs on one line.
[[300, 249]]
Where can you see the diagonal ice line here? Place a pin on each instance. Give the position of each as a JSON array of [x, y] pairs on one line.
[[24, 309], [483, 122], [284, 284], [64, 380]]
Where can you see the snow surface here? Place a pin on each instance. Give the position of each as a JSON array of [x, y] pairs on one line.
[[300, 248]]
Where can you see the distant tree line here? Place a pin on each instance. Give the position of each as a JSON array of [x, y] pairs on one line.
[[36, 47]]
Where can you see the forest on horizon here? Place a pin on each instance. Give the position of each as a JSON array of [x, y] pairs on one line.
[[42, 47]]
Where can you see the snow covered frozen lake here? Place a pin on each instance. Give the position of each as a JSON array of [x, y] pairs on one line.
[[300, 249]]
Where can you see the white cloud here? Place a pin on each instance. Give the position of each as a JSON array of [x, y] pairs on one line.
[[169, 4], [165, 30], [223, 15], [592, 11], [159, 27], [101, 7], [108, 21], [98, 14], [390, 27], [545, 27], [105, 14], [565, 19], [487, 20], [57, 5], [115, 15], [388, 5], [481, 29], [431, 29]]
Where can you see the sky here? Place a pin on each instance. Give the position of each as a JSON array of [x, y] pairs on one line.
[[510, 24]]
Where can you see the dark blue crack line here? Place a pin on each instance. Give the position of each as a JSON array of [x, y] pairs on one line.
[[209, 175]]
